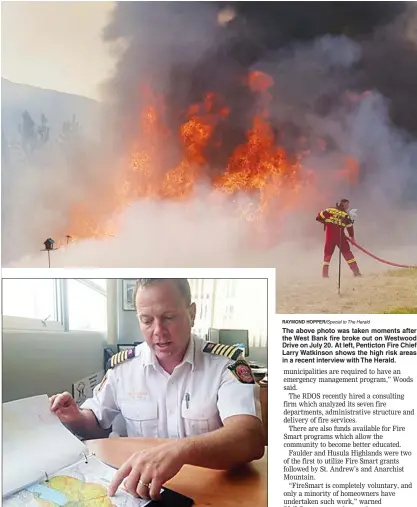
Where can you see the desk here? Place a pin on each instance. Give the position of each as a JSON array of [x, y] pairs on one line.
[[246, 487]]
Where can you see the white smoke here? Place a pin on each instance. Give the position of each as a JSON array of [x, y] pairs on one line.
[[40, 189], [204, 231]]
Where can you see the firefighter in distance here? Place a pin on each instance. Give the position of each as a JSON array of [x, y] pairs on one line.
[[335, 221]]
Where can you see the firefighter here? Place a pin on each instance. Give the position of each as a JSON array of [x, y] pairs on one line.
[[335, 221]]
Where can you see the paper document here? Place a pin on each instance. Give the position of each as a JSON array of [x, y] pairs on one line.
[[34, 441]]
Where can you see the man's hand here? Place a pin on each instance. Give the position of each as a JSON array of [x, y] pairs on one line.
[[65, 408], [83, 422], [153, 467]]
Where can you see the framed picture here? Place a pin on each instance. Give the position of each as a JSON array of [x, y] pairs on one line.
[[128, 291]]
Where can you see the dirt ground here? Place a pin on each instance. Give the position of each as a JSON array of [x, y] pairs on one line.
[[373, 293]]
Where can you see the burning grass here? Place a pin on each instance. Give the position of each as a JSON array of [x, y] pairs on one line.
[[272, 181]]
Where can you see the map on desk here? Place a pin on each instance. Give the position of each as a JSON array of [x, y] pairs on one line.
[[48, 466], [83, 484]]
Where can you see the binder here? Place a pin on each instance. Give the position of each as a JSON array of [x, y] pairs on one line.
[[56, 464], [83, 455]]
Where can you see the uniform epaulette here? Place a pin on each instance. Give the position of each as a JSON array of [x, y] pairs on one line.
[[229, 351], [121, 357]]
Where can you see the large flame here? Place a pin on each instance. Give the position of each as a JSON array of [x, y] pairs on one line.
[[259, 169]]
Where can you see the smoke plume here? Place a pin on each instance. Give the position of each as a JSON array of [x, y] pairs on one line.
[[315, 53]]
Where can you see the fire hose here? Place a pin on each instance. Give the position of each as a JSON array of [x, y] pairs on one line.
[[378, 258]]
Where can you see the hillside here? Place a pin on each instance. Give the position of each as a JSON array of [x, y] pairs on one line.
[[56, 106]]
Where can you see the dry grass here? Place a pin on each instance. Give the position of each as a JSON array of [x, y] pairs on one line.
[[393, 291], [398, 273], [403, 310]]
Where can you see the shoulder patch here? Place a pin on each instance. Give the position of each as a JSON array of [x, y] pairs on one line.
[[241, 370], [229, 351], [121, 357]]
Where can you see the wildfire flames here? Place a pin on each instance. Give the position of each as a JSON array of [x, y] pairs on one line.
[[259, 169]]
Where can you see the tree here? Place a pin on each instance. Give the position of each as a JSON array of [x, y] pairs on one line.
[[27, 131], [43, 130], [70, 129]]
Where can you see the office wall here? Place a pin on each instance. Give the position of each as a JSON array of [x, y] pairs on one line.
[[36, 362], [128, 330]]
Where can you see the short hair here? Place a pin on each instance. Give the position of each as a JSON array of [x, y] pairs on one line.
[[341, 202], [182, 285]]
